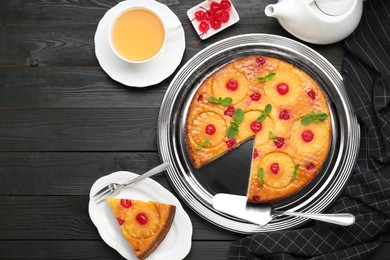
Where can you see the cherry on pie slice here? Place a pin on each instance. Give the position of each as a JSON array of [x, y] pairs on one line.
[[144, 224]]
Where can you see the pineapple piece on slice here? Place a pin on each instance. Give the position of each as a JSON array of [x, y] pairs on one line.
[[230, 83], [208, 126]]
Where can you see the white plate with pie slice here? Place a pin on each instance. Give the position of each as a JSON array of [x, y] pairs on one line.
[[176, 244]]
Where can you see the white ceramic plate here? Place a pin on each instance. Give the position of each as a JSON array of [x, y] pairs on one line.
[[234, 18], [176, 244], [148, 73]]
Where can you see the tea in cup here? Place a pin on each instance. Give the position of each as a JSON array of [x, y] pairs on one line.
[[137, 34]]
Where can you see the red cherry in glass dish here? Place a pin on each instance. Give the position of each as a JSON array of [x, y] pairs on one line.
[[224, 16], [203, 27], [199, 15], [215, 24], [222, 11], [209, 15], [307, 136], [210, 129], [282, 88], [214, 6], [225, 4]]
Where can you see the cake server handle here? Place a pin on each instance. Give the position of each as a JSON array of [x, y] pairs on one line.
[[344, 219]]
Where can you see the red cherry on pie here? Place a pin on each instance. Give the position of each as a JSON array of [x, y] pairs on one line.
[[142, 218], [255, 96], [274, 168], [311, 94], [280, 142], [284, 115], [282, 88], [126, 203], [256, 126], [307, 136], [232, 84], [210, 129], [229, 111]]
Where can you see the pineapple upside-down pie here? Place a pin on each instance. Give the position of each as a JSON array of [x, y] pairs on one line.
[[144, 224], [279, 105]]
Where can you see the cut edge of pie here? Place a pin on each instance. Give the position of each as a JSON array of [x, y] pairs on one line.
[[144, 224]]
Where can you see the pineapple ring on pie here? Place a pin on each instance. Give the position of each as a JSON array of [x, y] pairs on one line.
[[317, 136], [284, 87], [257, 84], [144, 230], [143, 224], [239, 84], [198, 128], [281, 177]]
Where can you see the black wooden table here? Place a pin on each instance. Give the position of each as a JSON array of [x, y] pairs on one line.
[[64, 123]]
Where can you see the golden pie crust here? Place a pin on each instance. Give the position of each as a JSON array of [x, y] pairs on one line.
[[299, 150], [143, 224]]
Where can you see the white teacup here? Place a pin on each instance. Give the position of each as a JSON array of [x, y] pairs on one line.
[[138, 34]]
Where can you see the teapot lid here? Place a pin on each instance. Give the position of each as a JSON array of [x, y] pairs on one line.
[[334, 7]]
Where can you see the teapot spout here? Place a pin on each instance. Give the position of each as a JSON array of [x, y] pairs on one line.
[[278, 10]]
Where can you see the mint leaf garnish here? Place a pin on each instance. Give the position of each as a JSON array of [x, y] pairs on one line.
[[264, 113], [238, 116], [267, 77], [273, 137], [295, 173], [313, 117], [224, 102], [268, 109], [260, 174], [202, 144], [232, 131]]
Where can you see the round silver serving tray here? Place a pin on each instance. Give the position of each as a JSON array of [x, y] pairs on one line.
[[230, 173]]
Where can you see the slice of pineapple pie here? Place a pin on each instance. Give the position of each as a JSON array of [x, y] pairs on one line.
[[144, 224]]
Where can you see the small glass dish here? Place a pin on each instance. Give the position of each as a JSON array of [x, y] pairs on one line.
[[206, 6]]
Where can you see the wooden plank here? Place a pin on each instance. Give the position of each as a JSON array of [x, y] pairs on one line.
[[79, 87], [67, 173], [75, 250], [74, 45], [67, 218], [91, 11], [78, 130], [80, 250]]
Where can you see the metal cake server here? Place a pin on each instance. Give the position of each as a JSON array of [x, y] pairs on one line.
[[237, 206]]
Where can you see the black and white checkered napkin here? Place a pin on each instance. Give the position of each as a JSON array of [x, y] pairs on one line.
[[366, 73]]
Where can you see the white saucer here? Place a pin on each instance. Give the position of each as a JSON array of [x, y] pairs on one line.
[[148, 73], [176, 244]]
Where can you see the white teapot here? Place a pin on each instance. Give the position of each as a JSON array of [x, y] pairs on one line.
[[317, 21]]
